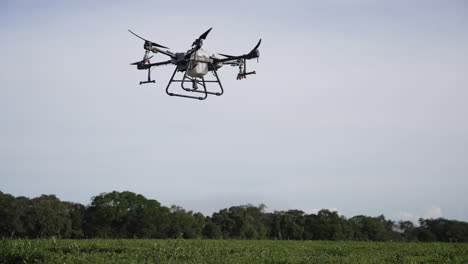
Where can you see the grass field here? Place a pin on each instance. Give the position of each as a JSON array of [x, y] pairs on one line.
[[226, 251]]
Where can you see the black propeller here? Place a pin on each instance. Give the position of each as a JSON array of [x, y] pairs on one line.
[[258, 44], [138, 62], [199, 41], [227, 56], [197, 44], [204, 35], [147, 42], [252, 54]]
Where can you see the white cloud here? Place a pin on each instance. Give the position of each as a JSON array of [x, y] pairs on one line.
[[407, 216], [432, 212]]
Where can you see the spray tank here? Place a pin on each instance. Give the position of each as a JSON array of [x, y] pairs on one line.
[[198, 63]]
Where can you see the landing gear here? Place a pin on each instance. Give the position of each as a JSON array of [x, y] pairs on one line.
[[196, 82], [243, 70], [149, 78]]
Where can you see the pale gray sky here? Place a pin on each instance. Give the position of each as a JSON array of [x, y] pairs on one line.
[[358, 106]]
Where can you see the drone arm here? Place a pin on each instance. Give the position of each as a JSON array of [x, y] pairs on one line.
[[251, 55], [230, 60], [160, 63], [165, 52]]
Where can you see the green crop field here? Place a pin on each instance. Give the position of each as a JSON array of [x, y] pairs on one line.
[[227, 251]]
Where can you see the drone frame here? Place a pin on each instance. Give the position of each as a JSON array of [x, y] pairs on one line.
[[181, 60], [195, 82]]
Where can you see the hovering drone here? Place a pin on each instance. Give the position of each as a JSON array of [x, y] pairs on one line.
[[194, 64]]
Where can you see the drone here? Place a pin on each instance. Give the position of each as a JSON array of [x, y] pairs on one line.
[[195, 65]]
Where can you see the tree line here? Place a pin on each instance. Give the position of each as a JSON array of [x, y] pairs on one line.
[[130, 215]]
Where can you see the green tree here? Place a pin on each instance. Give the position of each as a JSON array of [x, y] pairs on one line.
[[441, 229], [287, 225], [185, 224], [76, 213], [374, 228], [211, 230], [325, 225], [242, 222], [11, 223], [50, 217], [407, 230], [125, 215]]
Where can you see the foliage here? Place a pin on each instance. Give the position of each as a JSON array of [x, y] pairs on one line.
[[197, 251], [130, 215]]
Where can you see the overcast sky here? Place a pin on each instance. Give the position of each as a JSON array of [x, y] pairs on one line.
[[357, 106]]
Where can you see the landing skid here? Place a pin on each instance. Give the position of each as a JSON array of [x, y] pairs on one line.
[[195, 83], [149, 78]]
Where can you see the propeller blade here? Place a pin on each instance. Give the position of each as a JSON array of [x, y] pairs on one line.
[[225, 55], [199, 41], [255, 53], [143, 60], [258, 44], [152, 43], [157, 45], [204, 35], [136, 35]]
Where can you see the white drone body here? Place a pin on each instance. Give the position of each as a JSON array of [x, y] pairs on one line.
[[198, 64]]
